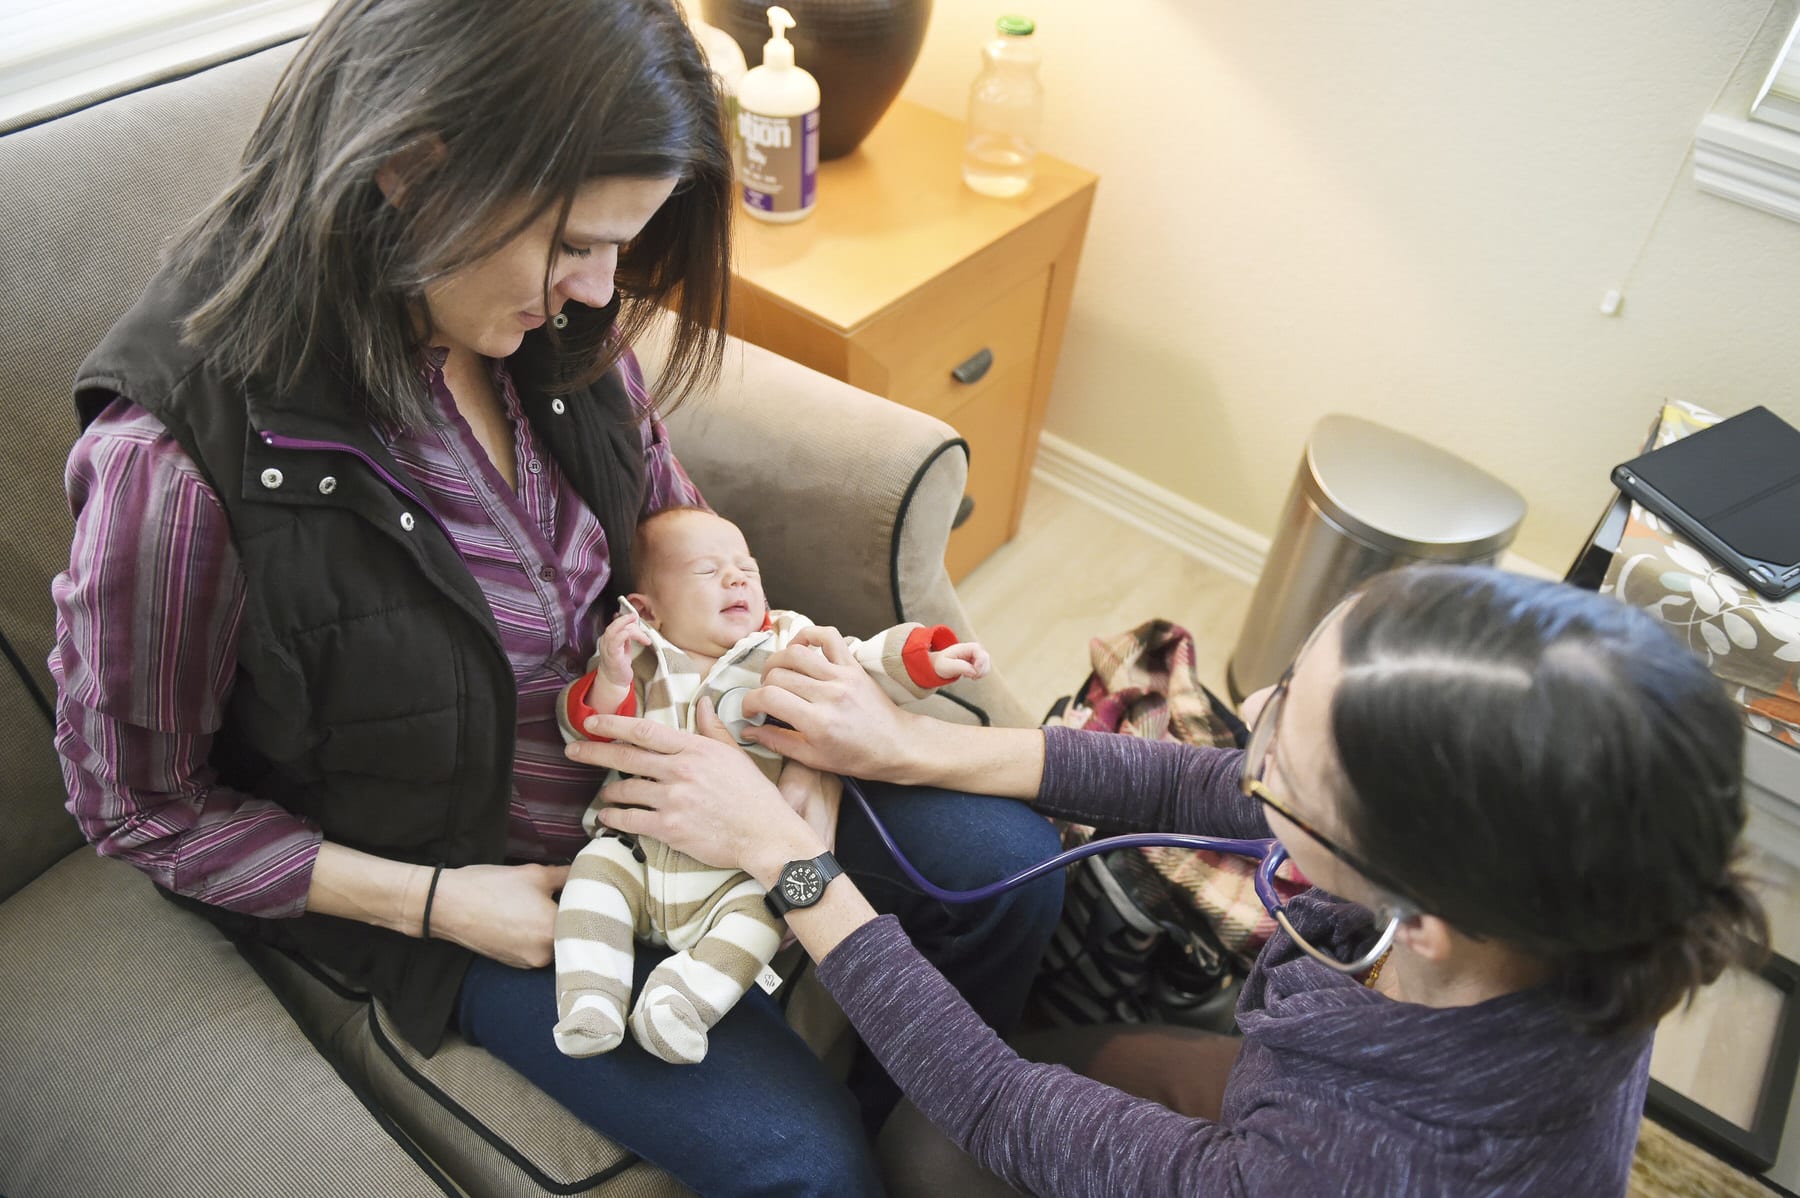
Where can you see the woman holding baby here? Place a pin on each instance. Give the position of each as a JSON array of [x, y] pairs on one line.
[[355, 498]]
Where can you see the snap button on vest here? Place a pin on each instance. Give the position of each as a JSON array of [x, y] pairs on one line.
[[327, 485], [271, 478], [406, 521], [557, 406]]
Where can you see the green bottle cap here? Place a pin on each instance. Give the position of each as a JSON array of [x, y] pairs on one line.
[[1016, 26]]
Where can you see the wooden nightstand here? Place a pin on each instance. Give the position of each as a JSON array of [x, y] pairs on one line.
[[902, 275]]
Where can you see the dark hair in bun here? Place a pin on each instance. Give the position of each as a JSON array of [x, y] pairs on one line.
[[1551, 768]]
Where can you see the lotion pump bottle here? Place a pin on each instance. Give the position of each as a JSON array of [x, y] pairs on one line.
[[778, 128]]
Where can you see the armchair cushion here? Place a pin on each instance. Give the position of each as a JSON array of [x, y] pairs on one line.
[[147, 1056], [490, 1128]]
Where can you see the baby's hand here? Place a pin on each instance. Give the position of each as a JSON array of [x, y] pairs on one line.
[[965, 660], [616, 648]]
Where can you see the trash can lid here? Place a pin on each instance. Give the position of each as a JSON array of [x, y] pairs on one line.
[[1403, 495]]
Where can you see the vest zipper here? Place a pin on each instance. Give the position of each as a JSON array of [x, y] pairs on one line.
[[277, 441]]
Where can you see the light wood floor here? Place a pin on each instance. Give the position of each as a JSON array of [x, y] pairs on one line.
[[1075, 572]]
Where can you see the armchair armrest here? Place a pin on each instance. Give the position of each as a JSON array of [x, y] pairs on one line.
[[845, 498]]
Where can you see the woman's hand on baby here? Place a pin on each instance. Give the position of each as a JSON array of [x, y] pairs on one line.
[[963, 660], [701, 795], [506, 912], [839, 721], [616, 649]]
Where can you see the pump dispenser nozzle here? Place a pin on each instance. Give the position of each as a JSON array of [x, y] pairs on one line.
[[778, 52]]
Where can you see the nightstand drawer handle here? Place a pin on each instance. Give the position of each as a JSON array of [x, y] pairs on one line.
[[964, 510], [972, 370]]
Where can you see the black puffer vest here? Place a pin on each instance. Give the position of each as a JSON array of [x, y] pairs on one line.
[[372, 695]]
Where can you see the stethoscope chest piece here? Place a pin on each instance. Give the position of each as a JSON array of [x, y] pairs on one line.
[[730, 707]]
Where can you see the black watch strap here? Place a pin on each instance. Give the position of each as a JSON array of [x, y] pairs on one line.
[[801, 884]]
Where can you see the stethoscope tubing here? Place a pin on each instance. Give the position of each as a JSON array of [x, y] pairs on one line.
[[1269, 853]]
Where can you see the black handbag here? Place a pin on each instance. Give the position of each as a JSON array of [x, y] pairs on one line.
[[1132, 948]]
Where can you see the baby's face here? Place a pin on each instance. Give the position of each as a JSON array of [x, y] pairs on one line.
[[701, 586]]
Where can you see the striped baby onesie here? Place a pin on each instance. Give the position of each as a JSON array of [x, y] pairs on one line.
[[625, 888]]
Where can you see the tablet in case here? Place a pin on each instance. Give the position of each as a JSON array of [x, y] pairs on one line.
[[1734, 491]]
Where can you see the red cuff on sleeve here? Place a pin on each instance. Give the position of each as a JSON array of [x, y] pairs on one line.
[[579, 711], [916, 654]]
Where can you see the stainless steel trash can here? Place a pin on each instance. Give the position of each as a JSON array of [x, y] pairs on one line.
[[1366, 499]]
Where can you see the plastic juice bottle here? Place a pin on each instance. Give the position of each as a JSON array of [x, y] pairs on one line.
[[778, 129], [1006, 111]]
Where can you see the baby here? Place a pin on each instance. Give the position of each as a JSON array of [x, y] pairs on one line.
[[700, 626]]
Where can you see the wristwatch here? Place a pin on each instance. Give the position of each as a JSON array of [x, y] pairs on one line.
[[801, 884]]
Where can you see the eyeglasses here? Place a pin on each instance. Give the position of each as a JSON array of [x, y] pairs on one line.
[[1258, 752]]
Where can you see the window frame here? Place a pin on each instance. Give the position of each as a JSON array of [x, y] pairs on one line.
[[1754, 159], [1778, 101], [57, 55]]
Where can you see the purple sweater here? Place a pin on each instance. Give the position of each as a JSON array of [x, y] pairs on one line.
[[1338, 1090]]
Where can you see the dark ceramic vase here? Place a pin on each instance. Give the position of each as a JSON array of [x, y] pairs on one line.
[[860, 51]]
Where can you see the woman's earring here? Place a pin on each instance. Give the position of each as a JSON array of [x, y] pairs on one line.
[[560, 321]]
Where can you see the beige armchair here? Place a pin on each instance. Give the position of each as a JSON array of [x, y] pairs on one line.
[[140, 1051]]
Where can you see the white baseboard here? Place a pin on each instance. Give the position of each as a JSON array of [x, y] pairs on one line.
[[1198, 532]]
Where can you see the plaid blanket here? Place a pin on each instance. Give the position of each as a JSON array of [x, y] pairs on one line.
[[1144, 683]]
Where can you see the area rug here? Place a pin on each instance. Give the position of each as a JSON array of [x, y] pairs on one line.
[[1667, 1166]]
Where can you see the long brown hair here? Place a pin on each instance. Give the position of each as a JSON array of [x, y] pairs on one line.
[[487, 102]]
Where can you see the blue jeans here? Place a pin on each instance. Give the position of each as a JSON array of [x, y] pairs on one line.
[[761, 1115]]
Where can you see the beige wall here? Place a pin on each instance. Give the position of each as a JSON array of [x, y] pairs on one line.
[[1405, 211]]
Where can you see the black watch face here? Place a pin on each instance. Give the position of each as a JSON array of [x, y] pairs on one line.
[[801, 884]]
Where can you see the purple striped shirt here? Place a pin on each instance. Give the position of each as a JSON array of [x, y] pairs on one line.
[[147, 620]]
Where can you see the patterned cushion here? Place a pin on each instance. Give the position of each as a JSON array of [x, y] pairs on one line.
[[1751, 643]]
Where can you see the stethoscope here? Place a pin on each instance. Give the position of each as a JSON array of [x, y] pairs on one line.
[[1269, 853]]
